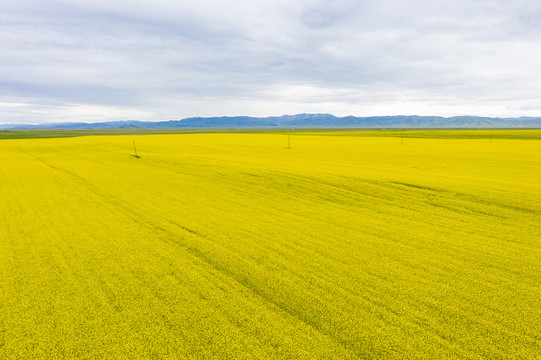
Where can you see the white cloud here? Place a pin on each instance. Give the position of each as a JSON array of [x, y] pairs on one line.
[[154, 60]]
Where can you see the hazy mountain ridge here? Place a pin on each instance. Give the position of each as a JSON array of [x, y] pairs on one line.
[[301, 121]]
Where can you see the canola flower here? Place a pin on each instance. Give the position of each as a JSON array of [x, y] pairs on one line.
[[346, 246]]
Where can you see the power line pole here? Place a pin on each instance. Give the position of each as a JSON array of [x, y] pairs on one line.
[[288, 140], [135, 149]]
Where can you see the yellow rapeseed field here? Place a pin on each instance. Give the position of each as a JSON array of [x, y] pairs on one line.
[[231, 246]]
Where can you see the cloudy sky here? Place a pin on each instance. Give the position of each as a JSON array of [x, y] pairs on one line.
[[100, 60]]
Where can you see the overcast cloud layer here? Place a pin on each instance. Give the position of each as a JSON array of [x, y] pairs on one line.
[[96, 60]]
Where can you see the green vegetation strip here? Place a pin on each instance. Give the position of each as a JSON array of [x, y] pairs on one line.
[[489, 134]]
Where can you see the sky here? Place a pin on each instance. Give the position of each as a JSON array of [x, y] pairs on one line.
[[103, 60]]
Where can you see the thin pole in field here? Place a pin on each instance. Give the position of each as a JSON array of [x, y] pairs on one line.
[[288, 140], [135, 149]]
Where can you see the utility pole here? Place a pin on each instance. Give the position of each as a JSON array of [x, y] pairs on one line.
[[135, 149], [288, 140]]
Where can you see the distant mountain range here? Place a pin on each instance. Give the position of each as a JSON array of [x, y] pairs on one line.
[[302, 121]]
